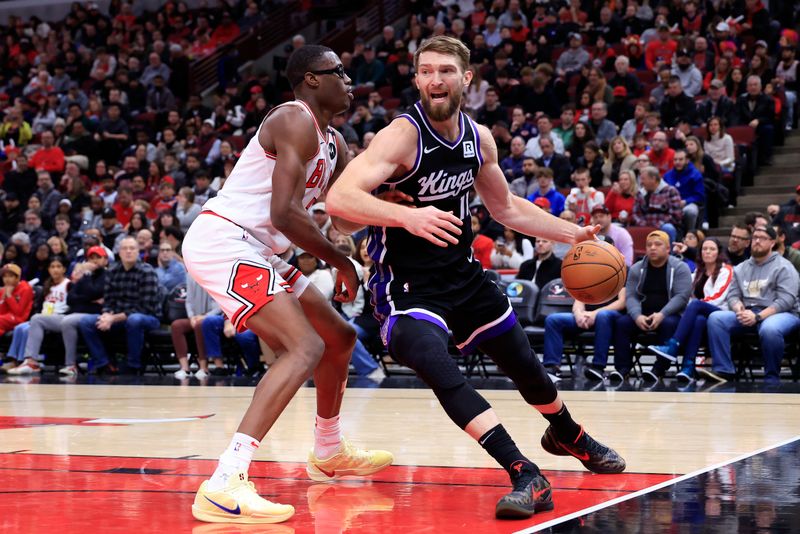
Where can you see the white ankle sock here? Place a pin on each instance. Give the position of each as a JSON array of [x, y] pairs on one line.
[[237, 457], [327, 437]]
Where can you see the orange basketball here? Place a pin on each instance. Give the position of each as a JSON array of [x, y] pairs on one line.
[[593, 272]]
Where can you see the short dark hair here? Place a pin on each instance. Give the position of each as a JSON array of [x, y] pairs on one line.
[[173, 231], [751, 216], [742, 226], [303, 60]]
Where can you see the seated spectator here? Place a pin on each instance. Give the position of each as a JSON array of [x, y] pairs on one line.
[[584, 317], [546, 189], [492, 111], [657, 290], [658, 204], [482, 246], [716, 104], [685, 177], [690, 76], [712, 281], [601, 215], [475, 95], [738, 249], [131, 304], [573, 58], [16, 301], [719, 145], [170, 271], [677, 105], [510, 250], [543, 267], [48, 195], [371, 70], [33, 228], [545, 126], [604, 130], [623, 77], [757, 110], [593, 161], [51, 313], [22, 180], [583, 198], [123, 204], [148, 252], [49, 158], [788, 77], [216, 326], [661, 155], [512, 164], [165, 201], [202, 188], [621, 197], [620, 109], [110, 230], [36, 270], [581, 135], [566, 129], [620, 158], [762, 299], [186, 210], [310, 266], [199, 306], [525, 184], [558, 163], [789, 253]]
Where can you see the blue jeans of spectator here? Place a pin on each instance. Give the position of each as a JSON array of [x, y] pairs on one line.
[[362, 360], [625, 331], [722, 325], [135, 327], [557, 325], [18, 340], [212, 328], [671, 231], [791, 100], [692, 330]]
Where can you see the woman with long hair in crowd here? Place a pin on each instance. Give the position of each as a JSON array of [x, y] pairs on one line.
[[511, 249], [620, 158], [622, 196], [583, 134], [712, 281], [593, 160], [50, 310]]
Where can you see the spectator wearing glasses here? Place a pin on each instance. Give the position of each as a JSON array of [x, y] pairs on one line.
[[170, 271], [131, 305], [762, 299], [738, 249]]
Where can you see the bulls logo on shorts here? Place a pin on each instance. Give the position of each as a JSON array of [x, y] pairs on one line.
[[253, 285]]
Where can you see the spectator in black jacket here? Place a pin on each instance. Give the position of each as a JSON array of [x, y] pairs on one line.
[[84, 297], [21, 181], [544, 266], [677, 105], [757, 110], [716, 104], [558, 163], [625, 78]]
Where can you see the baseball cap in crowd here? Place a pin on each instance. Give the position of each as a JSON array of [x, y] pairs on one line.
[[620, 91], [576, 35], [722, 27], [601, 209], [109, 213], [683, 52], [299, 252], [96, 251], [659, 234], [11, 196], [769, 230], [66, 201], [319, 206], [761, 42], [663, 26], [542, 202], [717, 84], [210, 122], [13, 269], [256, 89]]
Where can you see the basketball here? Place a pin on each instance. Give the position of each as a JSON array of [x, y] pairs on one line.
[[593, 272]]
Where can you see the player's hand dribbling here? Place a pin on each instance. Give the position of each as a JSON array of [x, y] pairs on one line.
[[439, 227], [587, 233], [347, 282]]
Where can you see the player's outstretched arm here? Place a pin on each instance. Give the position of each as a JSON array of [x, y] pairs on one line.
[[292, 133], [391, 153], [516, 212]]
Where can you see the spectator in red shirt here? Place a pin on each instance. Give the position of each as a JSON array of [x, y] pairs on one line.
[[124, 205], [482, 246], [661, 50], [166, 196], [226, 32], [661, 155], [49, 158], [16, 298]]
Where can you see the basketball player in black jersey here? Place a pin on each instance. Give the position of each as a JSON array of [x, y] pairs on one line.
[[426, 280]]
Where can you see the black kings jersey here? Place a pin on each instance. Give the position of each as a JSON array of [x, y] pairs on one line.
[[442, 176]]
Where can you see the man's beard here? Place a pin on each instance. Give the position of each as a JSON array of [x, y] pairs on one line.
[[440, 114], [30, 228], [759, 253]]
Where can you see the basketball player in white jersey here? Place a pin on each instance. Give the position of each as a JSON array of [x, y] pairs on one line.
[[231, 251], [435, 155]]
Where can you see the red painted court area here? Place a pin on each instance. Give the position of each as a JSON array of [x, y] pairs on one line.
[[68, 494]]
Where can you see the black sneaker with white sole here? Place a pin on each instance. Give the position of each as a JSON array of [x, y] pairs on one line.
[[685, 377], [594, 373], [531, 494], [617, 378]]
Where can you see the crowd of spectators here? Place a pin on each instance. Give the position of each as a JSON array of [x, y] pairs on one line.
[[613, 113]]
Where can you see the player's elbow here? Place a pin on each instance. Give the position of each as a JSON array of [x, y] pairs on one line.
[[281, 219]]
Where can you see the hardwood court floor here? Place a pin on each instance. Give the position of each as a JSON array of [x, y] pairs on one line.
[[124, 458]]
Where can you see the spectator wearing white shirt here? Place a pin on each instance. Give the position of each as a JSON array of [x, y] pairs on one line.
[[532, 147]]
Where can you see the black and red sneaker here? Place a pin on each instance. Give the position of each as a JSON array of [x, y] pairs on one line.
[[595, 456], [531, 494]]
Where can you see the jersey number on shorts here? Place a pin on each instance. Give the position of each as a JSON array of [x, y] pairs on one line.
[[317, 175]]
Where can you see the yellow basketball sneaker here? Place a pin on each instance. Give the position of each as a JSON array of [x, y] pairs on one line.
[[349, 461], [237, 503]]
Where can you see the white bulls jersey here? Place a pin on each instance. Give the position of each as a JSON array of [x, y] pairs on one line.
[[246, 197]]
